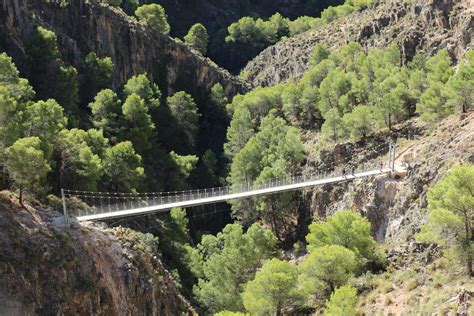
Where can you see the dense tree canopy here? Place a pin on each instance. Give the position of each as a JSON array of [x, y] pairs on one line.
[[98, 74], [228, 261], [184, 110], [273, 152], [51, 78]]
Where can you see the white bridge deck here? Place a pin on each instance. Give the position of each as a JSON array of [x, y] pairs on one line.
[[211, 197]]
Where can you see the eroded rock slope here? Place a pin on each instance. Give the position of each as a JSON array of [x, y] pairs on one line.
[[85, 270], [427, 25]]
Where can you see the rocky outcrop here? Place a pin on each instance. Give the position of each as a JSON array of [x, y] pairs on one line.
[[46, 269], [85, 26], [427, 25], [395, 206]]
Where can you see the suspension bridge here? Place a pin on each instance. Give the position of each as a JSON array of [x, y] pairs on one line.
[[92, 206]]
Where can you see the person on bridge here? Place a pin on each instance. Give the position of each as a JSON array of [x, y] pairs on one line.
[[353, 170], [381, 165], [344, 172]]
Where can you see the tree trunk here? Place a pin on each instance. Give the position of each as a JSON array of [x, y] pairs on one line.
[[61, 174], [278, 311], [21, 198], [469, 237]]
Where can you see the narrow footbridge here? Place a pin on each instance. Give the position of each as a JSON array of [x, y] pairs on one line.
[[90, 206]]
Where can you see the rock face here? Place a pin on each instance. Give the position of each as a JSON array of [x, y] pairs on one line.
[[427, 25], [85, 270], [395, 206], [84, 26]]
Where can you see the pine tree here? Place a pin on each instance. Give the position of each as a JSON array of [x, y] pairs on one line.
[[273, 290], [451, 209], [197, 38], [154, 16], [27, 165], [140, 127]]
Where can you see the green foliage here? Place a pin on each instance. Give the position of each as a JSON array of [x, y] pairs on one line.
[[184, 110], [15, 93], [106, 113], [343, 302], [320, 53], [45, 119], [439, 67], [98, 74], [302, 24], [257, 32], [239, 132], [451, 209], [359, 123], [228, 261], [67, 84], [197, 38], [154, 16], [50, 77], [218, 96], [299, 105], [145, 89], [139, 127], [43, 47], [462, 83], [10, 80], [122, 168], [186, 164], [78, 163], [273, 152], [326, 269], [333, 127], [434, 102], [273, 290], [27, 164], [348, 229]]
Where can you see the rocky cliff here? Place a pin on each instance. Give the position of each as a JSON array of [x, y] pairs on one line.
[[46, 269], [427, 25], [84, 26], [394, 205]]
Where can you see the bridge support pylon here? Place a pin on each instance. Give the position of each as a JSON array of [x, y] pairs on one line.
[[66, 217]]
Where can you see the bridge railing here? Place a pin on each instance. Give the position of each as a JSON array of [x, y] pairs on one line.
[[84, 203]]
